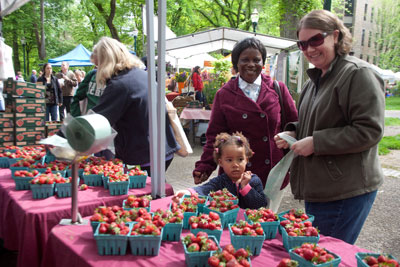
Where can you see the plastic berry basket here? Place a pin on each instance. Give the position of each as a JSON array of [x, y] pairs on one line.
[[118, 188], [14, 169], [235, 201], [270, 228], [105, 182], [200, 206], [305, 263], [48, 158], [215, 233], [125, 207], [172, 232], [69, 172], [198, 258], [93, 179], [145, 245], [11, 161], [40, 191], [254, 243], [4, 163], [94, 225], [227, 217], [43, 170], [310, 218], [64, 190], [361, 255], [186, 216], [111, 244], [23, 183], [290, 242], [138, 181]]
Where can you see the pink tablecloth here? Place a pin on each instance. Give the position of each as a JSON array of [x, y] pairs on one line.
[[195, 114], [75, 246], [25, 222]]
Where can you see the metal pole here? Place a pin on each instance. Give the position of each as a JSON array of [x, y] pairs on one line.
[[74, 192], [23, 48]]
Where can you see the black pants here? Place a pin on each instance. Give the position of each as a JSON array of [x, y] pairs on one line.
[[66, 105], [167, 163]]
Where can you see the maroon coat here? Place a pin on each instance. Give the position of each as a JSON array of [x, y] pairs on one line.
[[233, 111]]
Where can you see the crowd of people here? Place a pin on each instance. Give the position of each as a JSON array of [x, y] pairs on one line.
[[336, 170]]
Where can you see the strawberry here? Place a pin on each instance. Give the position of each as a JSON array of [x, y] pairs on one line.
[[287, 263], [83, 187]]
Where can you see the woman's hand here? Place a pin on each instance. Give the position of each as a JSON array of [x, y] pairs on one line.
[[246, 177], [199, 177], [280, 143], [179, 194], [304, 147]]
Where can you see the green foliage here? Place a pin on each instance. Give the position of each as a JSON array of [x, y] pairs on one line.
[[392, 121], [222, 69], [389, 142], [393, 103]]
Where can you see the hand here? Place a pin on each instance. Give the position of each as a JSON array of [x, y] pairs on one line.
[[280, 143], [199, 177], [245, 179], [304, 147], [178, 195], [59, 104]]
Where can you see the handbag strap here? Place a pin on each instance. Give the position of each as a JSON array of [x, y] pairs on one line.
[[283, 114]]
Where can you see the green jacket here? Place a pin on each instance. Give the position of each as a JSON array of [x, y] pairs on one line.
[[345, 116], [86, 89]]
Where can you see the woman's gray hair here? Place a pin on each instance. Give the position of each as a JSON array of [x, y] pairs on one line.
[[328, 22]]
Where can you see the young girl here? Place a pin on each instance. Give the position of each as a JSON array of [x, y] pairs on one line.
[[232, 152]]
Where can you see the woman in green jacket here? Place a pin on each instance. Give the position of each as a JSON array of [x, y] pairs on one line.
[[341, 120]]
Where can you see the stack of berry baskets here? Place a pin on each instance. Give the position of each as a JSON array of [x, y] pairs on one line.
[[111, 170], [171, 222], [226, 210], [118, 184], [188, 208], [42, 185], [310, 255], [247, 236], [63, 186], [267, 218], [137, 178], [112, 238], [228, 254], [295, 215], [223, 195], [93, 175], [365, 259], [117, 213], [22, 178], [200, 200], [145, 239], [134, 202], [294, 234], [209, 223], [198, 248]]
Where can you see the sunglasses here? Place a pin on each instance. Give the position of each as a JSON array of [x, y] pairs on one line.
[[314, 41]]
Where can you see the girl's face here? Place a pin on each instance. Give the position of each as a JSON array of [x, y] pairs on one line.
[[233, 160], [250, 64], [320, 56], [48, 69]]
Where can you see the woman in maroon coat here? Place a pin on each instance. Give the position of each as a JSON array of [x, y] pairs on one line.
[[248, 104]]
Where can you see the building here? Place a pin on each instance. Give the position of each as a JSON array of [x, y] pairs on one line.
[[360, 18]]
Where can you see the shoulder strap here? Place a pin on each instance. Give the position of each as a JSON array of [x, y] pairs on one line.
[[283, 115]]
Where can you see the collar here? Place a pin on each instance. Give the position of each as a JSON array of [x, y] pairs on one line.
[[243, 84], [315, 73]]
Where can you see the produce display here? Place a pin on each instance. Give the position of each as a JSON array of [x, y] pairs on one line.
[[199, 242], [244, 228], [145, 228], [47, 178], [113, 228], [223, 195], [209, 221], [296, 215], [163, 217], [299, 229], [376, 260], [314, 253], [137, 202], [230, 257], [222, 206], [286, 262], [261, 215]]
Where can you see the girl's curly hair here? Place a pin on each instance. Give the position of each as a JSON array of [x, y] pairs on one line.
[[224, 139]]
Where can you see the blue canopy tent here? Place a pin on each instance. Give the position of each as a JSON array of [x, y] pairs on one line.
[[78, 57]]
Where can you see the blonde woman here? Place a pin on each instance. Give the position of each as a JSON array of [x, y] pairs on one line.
[[124, 103]]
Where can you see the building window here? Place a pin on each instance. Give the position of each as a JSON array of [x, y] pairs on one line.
[[348, 11], [361, 56], [365, 12], [362, 37], [372, 14], [369, 39], [368, 59]]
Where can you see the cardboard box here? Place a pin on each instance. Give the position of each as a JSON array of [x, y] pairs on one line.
[[6, 120], [24, 89], [29, 134], [27, 143], [5, 144], [30, 119], [25, 105], [7, 135], [52, 128]]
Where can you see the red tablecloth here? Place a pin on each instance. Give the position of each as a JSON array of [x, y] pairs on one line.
[[25, 222], [195, 114], [75, 246]]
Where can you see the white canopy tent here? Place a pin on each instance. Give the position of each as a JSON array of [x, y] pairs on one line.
[[189, 62]]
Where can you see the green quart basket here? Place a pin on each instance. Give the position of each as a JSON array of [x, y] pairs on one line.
[[145, 245], [111, 244], [270, 228], [40, 191]]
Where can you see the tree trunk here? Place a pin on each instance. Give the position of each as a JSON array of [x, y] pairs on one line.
[[289, 18], [17, 63], [42, 48], [109, 18]]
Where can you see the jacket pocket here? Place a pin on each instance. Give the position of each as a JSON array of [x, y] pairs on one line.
[[333, 170]]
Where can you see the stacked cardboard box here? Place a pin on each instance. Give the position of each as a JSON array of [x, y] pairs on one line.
[[52, 128], [26, 104]]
